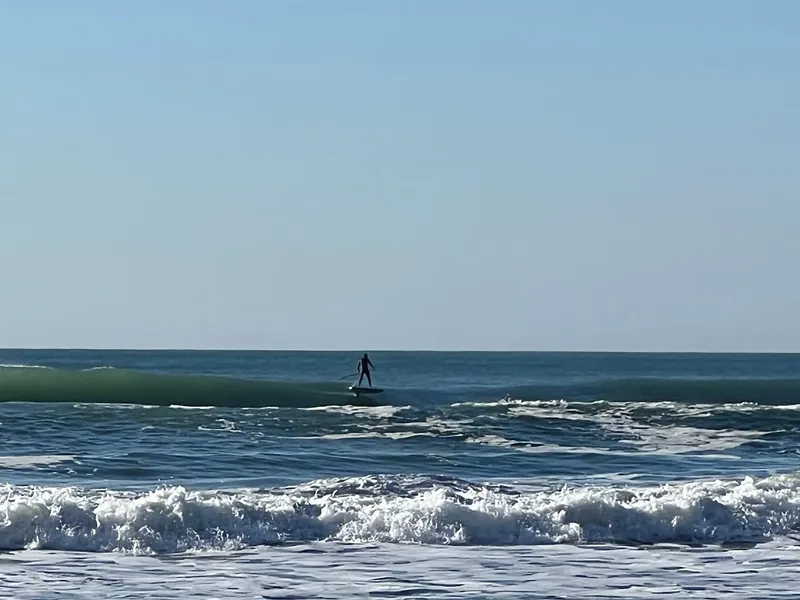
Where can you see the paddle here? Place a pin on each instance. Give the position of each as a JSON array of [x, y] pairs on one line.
[[346, 376]]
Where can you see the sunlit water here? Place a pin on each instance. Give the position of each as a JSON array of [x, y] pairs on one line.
[[241, 475]]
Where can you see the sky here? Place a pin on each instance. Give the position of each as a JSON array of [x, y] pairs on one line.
[[448, 175]]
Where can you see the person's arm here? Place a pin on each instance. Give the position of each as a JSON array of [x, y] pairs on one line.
[[370, 363]]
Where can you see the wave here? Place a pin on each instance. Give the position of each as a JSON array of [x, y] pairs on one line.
[[397, 509], [105, 384], [712, 391], [740, 415], [118, 386], [671, 389]]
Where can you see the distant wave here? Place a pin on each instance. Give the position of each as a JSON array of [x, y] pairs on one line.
[[713, 391], [671, 389], [397, 510], [116, 386], [105, 384]]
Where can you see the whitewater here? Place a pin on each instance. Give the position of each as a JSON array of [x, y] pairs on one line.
[[515, 475]]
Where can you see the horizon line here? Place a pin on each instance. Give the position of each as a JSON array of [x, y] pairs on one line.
[[380, 350]]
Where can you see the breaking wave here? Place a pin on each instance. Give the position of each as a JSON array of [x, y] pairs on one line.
[[399, 509]]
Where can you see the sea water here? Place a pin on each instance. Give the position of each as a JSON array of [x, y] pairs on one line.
[[518, 475]]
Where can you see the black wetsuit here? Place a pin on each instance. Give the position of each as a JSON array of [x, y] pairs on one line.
[[364, 365]]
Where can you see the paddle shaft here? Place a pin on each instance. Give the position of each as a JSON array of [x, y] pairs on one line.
[[352, 375]]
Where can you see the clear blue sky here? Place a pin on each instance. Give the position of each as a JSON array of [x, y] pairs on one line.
[[457, 174]]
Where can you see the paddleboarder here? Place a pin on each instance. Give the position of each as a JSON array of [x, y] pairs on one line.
[[363, 368]]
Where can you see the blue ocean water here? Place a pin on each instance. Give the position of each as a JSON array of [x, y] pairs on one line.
[[254, 459]]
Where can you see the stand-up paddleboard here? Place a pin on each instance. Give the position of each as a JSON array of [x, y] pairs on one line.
[[364, 390]]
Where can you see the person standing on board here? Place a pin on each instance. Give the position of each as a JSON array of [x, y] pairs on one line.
[[363, 368]]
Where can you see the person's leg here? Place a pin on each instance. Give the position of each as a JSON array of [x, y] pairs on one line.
[[369, 379], [360, 377]]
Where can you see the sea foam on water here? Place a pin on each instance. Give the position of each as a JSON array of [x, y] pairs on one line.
[[174, 519]]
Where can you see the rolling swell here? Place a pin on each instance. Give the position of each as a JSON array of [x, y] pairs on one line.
[[113, 386], [711, 391], [671, 389]]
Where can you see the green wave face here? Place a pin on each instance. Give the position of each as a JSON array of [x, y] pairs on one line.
[[112, 386]]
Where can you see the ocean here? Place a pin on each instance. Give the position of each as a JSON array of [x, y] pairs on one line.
[[211, 474]]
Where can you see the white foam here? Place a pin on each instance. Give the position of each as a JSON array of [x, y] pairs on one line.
[[676, 408], [536, 447], [509, 401], [547, 411], [226, 425], [369, 412], [618, 418], [443, 426], [680, 440], [174, 519], [33, 460], [393, 435]]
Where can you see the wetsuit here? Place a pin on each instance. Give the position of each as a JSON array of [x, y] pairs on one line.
[[363, 366]]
